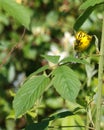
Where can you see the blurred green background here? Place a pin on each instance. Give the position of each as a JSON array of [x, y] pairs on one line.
[[51, 33]]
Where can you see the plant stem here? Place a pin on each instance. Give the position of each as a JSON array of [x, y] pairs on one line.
[[100, 80]]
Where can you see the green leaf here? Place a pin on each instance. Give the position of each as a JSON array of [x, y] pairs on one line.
[[53, 59], [61, 115], [73, 60], [66, 82], [38, 126], [89, 3], [41, 69], [17, 11], [82, 18], [29, 92], [89, 6], [44, 124]]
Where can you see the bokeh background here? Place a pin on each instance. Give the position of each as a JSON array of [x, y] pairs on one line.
[[51, 33]]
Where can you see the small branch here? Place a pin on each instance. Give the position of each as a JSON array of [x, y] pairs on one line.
[[11, 51]]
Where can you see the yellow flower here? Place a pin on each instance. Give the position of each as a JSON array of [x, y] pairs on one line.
[[82, 42]]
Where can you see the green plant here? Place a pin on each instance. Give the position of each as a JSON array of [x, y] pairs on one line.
[[63, 76]]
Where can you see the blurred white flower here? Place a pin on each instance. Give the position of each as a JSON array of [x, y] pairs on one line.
[[54, 51], [68, 41], [67, 45]]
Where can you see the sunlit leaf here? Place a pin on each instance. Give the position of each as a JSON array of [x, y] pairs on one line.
[[29, 92], [66, 82]]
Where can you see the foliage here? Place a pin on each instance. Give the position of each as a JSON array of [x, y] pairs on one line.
[[34, 87], [19, 12], [43, 125], [63, 79], [40, 73], [89, 6]]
